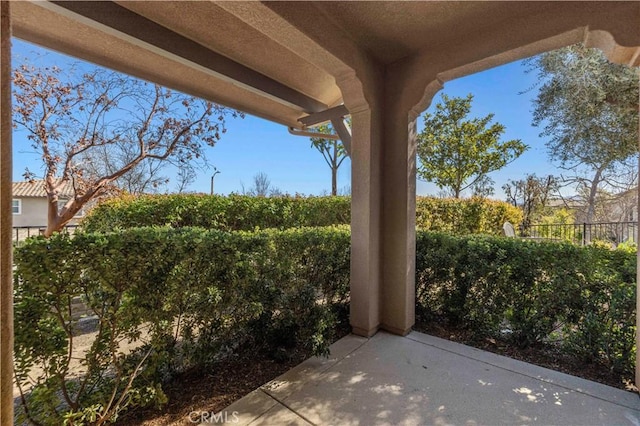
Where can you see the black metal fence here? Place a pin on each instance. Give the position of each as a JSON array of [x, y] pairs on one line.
[[584, 233], [20, 233], [577, 233]]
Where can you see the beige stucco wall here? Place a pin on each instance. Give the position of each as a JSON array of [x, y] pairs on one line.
[[34, 213]]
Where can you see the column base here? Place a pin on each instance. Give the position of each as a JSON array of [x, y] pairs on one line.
[[364, 332], [395, 330]]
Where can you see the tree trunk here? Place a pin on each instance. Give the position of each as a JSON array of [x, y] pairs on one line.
[[334, 171], [57, 218], [334, 182], [52, 206], [593, 192], [591, 205]]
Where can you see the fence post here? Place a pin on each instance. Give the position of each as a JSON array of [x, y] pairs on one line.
[[584, 234]]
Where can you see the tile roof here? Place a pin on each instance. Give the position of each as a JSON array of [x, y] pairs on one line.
[[36, 189]]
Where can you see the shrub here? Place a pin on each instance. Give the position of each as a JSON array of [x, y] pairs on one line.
[[607, 329], [178, 298], [187, 297], [232, 213], [532, 293], [244, 213], [465, 216]]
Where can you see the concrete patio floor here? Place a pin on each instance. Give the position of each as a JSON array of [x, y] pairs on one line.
[[424, 380]]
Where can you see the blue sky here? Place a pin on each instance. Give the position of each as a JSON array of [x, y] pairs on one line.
[[252, 145]]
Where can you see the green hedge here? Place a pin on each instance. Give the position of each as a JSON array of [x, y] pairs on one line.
[[581, 299], [226, 213], [465, 215], [188, 296], [238, 212]]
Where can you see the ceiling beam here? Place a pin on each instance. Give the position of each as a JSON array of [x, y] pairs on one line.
[[344, 131], [336, 116], [324, 116], [136, 28]]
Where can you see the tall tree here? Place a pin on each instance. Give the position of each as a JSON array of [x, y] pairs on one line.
[[531, 194], [483, 187], [588, 109], [333, 153], [457, 153], [146, 177], [69, 117]]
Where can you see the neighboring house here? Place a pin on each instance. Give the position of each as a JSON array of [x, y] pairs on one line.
[[616, 218], [29, 204], [621, 207]]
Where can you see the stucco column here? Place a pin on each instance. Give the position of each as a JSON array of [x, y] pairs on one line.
[[383, 206], [6, 283], [365, 207], [637, 236], [398, 221], [382, 221]]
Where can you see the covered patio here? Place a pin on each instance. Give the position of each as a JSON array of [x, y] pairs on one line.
[[303, 63], [424, 380]]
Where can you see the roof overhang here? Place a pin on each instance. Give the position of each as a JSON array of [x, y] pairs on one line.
[[281, 60]]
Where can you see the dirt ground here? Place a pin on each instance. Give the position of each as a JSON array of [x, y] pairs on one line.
[[210, 390]]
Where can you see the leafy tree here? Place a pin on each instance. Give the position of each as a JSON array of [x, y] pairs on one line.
[[531, 194], [333, 153], [588, 109], [483, 187], [92, 129], [457, 153]]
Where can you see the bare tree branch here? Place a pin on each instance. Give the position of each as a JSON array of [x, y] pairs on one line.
[[95, 128]]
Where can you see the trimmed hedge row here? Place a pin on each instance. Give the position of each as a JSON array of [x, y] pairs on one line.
[[580, 298], [179, 297], [187, 297], [226, 213], [239, 212], [465, 216]]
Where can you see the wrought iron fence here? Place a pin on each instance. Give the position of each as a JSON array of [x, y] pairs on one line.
[[20, 233], [583, 233]]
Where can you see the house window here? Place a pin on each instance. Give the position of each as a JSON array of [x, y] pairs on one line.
[[16, 206]]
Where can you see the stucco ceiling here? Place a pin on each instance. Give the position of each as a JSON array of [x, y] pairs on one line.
[[390, 31], [289, 50], [218, 30]]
